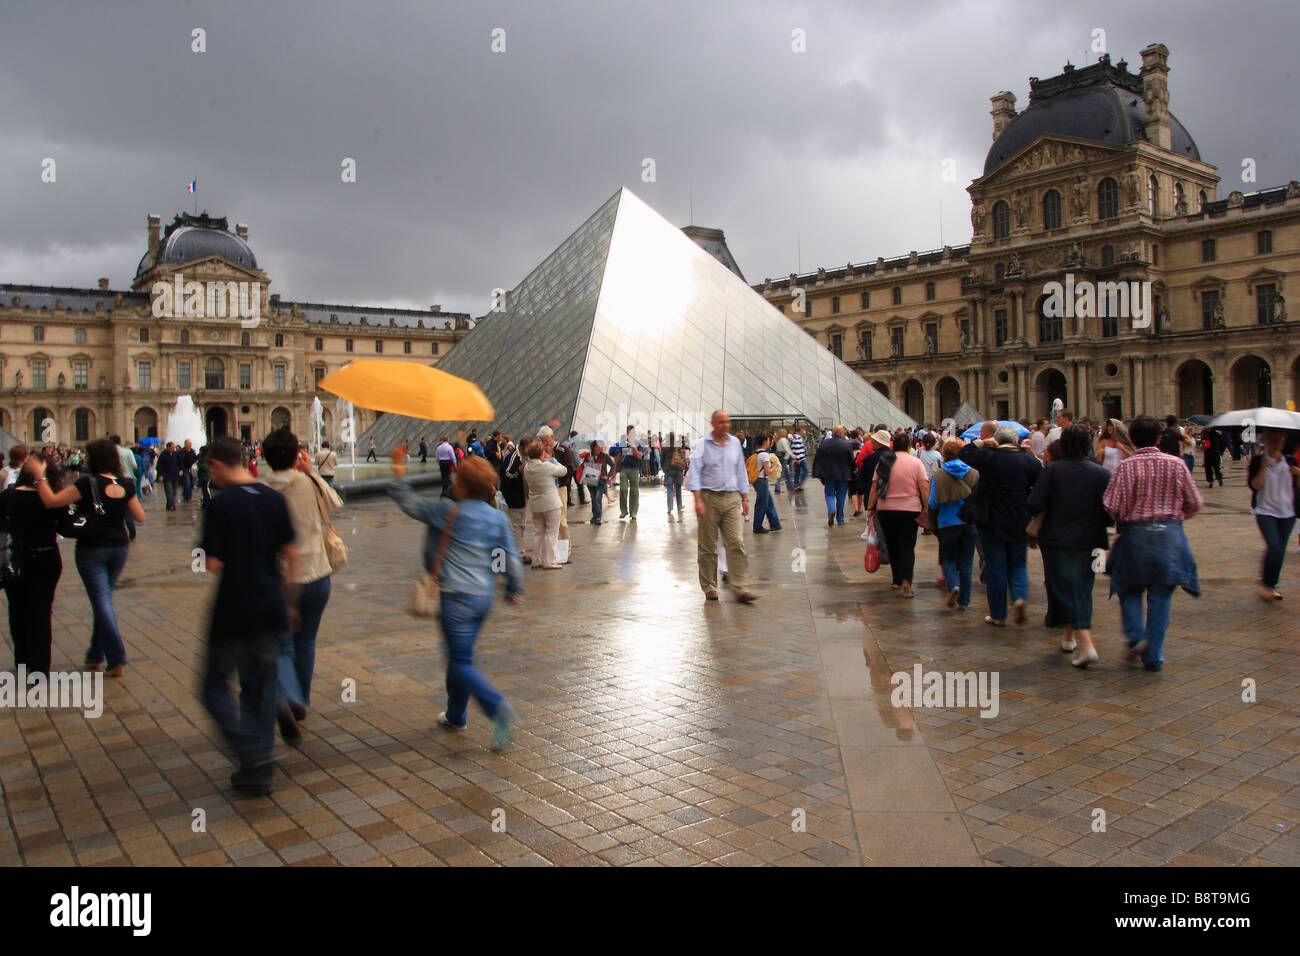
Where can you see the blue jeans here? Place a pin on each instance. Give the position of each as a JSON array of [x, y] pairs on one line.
[[1004, 564], [785, 475], [100, 567], [187, 484], [1069, 583], [598, 499], [957, 558], [800, 472], [765, 506], [298, 650], [250, 727], [673, 479], [462, 619], [1159, 598], [835, 494], [1276, 532]]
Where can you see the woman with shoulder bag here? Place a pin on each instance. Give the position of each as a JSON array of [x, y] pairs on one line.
[[103, 498], [32, 569], [954, 482], [674, 471], [900, 493], [597, 471], [1274, 490], [310, 504], [1068, 494], [466, 533]]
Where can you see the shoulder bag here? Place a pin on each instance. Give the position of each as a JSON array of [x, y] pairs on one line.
[[83, 519], [424, 589], [335, 549]]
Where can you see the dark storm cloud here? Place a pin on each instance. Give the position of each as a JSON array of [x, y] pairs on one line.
[[473, 165]]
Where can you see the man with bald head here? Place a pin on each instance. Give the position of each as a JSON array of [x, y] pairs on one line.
[[718, 480], [988, 430]]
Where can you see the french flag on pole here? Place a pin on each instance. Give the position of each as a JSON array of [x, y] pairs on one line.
[[193, 187]]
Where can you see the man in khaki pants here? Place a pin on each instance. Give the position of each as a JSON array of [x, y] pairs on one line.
[[718, 479]]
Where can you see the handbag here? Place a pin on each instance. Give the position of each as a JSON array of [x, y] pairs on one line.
[[591, 469], [1035, 526], [335, 549], [871, 559], [83, 520], [678, 460], [424, 589], [975, 509]]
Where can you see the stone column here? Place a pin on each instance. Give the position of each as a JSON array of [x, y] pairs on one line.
[[1083, 403]]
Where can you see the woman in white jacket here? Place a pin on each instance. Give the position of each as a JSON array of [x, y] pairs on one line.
[[540, 473]]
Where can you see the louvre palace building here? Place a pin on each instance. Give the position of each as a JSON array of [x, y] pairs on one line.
[[198, 321], [1094, 184]]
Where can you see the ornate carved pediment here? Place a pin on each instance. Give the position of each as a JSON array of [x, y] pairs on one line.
[[1047, 153]]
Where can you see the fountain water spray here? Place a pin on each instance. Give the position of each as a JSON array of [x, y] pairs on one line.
[[346, 417], [317, 424], [185, 421]]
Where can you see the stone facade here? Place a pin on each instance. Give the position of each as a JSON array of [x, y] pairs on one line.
[[976, 322], [78, 364]]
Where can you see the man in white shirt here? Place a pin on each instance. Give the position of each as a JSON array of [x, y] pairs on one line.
[[720, 483], [1064, 419]]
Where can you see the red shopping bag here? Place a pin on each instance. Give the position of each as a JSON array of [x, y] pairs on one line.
[[871, 559]]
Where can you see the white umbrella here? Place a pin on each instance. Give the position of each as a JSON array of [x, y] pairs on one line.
[[1259, 418]]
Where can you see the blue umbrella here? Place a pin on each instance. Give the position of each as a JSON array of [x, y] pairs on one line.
[[149, 440], [973, 432]]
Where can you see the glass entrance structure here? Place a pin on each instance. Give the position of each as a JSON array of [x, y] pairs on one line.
[[629, 321]]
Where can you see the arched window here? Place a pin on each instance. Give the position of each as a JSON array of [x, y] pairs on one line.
[[1108, 199], [214, 373], [1001, 219], [1204, 200], [1052, 210], [1180, 200], [1153, 197]]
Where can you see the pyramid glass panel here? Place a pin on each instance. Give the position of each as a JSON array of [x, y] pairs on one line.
[[630, 322]]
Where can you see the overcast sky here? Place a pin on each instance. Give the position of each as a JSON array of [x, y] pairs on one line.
[[473, 165]]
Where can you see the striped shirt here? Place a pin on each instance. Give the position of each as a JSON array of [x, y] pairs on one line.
[[798, 447], [1151, 486]]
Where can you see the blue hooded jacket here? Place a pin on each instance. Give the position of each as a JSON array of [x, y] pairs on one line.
[[948, 511]]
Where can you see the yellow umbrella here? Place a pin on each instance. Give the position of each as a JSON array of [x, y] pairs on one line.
[[408, 388]]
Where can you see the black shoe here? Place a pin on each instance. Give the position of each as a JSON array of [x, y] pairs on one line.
[[254, 781], [760, 531], [299, 713], [288, 726]]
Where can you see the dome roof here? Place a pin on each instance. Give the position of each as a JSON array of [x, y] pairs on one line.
[[190, 238], [1101, 104]]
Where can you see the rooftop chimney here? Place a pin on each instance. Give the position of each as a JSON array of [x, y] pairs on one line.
[[103, 285], [155, 226], [1004, 111], [241, 231], [1155, 91]]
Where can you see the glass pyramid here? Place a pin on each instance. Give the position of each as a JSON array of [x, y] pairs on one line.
[[630, 322]]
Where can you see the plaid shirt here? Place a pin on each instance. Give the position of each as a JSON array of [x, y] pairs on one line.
[[1151, 486]]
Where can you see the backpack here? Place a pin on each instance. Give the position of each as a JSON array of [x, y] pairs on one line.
[[751, 468]]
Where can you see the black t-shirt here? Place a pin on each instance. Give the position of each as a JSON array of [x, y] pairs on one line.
[[30, 524], [111, 531], [1171, 442], [245, 528]]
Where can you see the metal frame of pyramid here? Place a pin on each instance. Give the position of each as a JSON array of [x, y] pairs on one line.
[[629, 321]]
